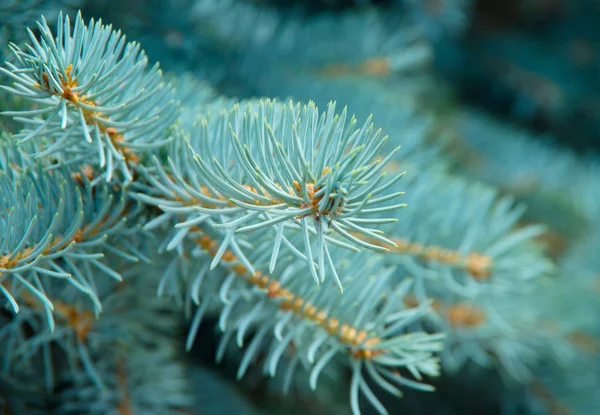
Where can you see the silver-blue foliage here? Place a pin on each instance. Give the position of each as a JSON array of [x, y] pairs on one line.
[[96, 100], [56, 227], [277, 167], [242, 201]]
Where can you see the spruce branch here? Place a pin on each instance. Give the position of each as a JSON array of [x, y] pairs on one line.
[[132, 386], [474, 246], [110, 364], [56, 226], [475, 263], [133, 322], [493, 331], [96, 100], [281, 168], [367, 324]]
